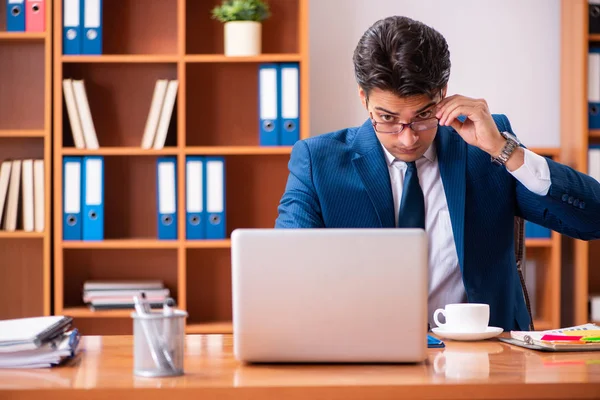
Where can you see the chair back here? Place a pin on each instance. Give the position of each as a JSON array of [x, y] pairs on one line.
[[520, 257]]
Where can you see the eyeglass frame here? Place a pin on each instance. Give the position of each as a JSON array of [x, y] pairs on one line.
[[403, 125]]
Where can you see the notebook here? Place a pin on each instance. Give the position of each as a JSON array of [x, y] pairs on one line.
[[31, 333], [576, 338]]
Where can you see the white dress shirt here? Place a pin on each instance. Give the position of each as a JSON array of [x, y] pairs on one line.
[[445, 279]]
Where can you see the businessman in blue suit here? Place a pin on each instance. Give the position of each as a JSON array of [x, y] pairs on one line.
[[444, 164]]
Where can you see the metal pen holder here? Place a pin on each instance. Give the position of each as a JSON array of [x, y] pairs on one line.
[[158, 343]]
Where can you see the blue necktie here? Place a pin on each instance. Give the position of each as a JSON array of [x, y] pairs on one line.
[[412, 205]]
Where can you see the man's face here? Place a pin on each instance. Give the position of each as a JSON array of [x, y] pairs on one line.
[[388, 111]]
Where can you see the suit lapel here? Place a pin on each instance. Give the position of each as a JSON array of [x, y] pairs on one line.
[[369, 162], [452, 161]]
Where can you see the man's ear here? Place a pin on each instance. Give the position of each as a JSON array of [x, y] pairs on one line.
[[444, 91], [363, 97]]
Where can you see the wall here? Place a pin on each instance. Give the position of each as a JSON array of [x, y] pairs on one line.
[[505, 51]]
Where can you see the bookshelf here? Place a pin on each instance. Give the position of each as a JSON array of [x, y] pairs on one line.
[[216, 113], [25, 133], [576, 139]]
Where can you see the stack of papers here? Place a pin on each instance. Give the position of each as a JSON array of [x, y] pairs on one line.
[[37, 342], [576, 338]]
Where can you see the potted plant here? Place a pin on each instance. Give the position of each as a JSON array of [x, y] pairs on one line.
[[242, 23]]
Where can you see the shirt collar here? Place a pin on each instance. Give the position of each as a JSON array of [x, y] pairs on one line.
[[430, 154]]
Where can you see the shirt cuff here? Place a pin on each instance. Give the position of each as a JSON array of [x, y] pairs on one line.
[[534, 174]]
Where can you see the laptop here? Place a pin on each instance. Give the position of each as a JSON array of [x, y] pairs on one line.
[[329, 295]]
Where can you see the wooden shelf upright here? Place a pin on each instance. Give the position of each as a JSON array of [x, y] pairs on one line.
[[25, 133], [216, 113], [577, 138]]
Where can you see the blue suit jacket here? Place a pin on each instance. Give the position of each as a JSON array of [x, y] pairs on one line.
[[341, 180]]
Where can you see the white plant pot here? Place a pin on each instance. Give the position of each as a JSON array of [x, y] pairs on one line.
[[243, 38]]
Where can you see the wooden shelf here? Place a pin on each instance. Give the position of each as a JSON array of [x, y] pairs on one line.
[[21, 235], [121, 244], [167, 39], [208, 244], [122, 58], [595, 133], [209, 328], [594, 37], [120, 151], [238, 150], [85, 312], [538, 242], [221, 58], [22, 133], [23, 36]]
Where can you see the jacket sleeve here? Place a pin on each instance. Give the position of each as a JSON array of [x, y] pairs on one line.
[[299, 206], [571, 206]]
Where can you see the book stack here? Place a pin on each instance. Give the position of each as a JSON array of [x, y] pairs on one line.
[[22, 184], [113, 295], [37, 342]]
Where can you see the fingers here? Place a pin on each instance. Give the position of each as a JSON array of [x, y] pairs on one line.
[[474, 109]]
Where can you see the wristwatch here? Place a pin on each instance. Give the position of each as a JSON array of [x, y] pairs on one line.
[[511, 144]]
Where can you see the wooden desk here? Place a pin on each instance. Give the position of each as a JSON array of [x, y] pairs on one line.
[[489, 369]]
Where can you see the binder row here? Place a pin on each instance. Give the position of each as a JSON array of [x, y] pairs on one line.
[[82, 123], [22, 190], [83, 182], [25, 15], [83, 198], [82, 26], [279, 104]]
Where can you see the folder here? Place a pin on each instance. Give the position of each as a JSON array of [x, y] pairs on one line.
[[15, 15], [27, 195], [268, 101], [536, 231], [290, 103], [195, 210], [215, 197], [594, 88], [93, 198], [594, 16], [158, 97], [91, 11], [166, 112], [35, 16], [71, 27], [14, 194], [166, 172], [39, 195], [72, 198], [4, 182]]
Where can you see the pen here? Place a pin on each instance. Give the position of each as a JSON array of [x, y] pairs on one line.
[[140, 309], [168, 312]]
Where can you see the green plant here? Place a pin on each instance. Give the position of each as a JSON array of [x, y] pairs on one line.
[[241, 10]]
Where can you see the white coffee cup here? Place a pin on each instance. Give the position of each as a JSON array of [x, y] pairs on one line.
[[466, 317]]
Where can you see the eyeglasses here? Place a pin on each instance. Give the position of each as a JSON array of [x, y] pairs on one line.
[[397, 127]]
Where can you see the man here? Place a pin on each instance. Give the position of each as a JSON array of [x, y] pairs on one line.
[[415, 163]]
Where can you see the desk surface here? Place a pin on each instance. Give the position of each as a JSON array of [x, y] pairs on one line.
[[489, 369]]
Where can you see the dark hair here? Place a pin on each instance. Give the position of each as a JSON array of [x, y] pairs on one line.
[[402, 55]]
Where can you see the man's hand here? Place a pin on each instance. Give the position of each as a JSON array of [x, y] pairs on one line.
[[478, 129]]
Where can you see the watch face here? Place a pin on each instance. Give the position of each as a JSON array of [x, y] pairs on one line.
[[509, 135]]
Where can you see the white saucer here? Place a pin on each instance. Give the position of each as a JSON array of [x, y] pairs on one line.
[[489, 332]]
